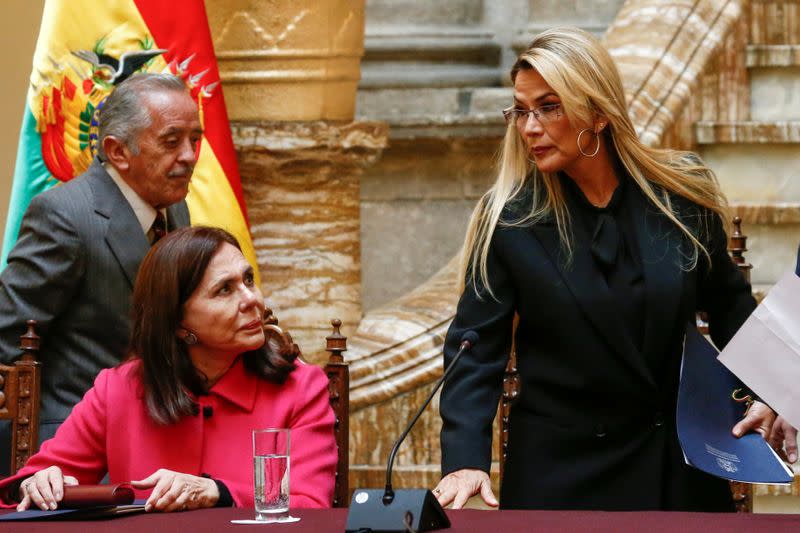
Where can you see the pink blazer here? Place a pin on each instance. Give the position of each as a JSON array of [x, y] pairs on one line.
[[110, 430]]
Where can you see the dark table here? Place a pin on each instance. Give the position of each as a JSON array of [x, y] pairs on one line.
[[466, 521]]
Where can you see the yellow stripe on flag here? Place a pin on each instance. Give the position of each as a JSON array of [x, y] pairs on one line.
[[212, 203]]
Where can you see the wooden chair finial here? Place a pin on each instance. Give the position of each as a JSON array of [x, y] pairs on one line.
[[20, 387], [738, 246], [336, 343], [29, 342], [338, 374]]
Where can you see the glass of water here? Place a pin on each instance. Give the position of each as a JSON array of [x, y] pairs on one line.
[[271, 473]]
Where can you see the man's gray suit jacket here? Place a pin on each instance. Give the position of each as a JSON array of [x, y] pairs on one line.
[[72, 270]]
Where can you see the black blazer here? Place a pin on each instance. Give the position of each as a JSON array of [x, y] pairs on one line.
[[594, 425]]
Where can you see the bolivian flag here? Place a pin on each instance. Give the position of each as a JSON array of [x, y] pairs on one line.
[[84, 48]]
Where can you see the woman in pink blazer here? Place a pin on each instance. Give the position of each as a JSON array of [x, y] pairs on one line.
[[176, 419]]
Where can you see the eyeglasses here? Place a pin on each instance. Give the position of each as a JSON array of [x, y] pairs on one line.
[[544, 114]]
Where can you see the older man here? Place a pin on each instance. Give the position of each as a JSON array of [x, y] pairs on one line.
[[80, 244]]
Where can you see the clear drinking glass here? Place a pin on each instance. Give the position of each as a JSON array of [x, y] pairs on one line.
[[271, 473]]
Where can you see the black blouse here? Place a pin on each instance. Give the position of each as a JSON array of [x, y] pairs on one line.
[[610, 234]]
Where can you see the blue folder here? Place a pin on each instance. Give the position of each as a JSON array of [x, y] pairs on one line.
[[706, 415], [87, 513]]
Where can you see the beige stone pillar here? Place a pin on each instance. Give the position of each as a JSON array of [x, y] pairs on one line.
[[289, 69], [301, 183], [288, 59]]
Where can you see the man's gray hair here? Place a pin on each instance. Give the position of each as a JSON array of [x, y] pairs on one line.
[[124, 114]]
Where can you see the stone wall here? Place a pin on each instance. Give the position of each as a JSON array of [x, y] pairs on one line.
[[301, 182], [414, 206], [743, 118]]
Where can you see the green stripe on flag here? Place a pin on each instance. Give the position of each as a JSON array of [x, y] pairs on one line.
[[30, 178]]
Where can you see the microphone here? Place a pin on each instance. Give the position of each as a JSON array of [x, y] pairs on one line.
[[398, 511]]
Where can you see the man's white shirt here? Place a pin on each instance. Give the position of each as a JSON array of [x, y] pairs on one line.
[[145, 213]]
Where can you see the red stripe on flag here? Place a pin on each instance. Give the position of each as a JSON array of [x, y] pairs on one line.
[[47, 137], [47, 152], [55, 133], [183, 30]]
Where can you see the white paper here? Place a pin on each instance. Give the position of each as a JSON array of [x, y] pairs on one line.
[[765, 352]]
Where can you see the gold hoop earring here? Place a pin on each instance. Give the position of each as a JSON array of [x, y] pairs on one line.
[[596, 148]]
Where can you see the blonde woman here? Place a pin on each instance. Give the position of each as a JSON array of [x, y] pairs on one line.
[[605, 249]]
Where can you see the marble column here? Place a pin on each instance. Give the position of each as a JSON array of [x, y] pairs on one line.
[[301, 182], [288, 59], [290, 69], [662, 48]]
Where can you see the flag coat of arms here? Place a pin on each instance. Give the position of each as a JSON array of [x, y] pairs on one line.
[[84, 49]]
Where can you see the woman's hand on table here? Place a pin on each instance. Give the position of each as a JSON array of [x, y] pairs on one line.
[[459, 486], [44, 489], [174, 491], [759, 418]]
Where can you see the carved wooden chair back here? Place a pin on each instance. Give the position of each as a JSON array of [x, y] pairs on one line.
[[742, 493], [20, 388], [338, 372]]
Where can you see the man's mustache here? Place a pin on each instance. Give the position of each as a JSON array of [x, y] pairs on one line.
[[182, 172]]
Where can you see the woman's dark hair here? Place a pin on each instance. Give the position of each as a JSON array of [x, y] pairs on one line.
[[169, 274]]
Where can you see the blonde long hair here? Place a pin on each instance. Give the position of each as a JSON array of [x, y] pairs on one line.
[[580, 70]]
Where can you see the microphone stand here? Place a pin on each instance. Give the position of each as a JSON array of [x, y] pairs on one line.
[[388, 494], [417, 509]]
